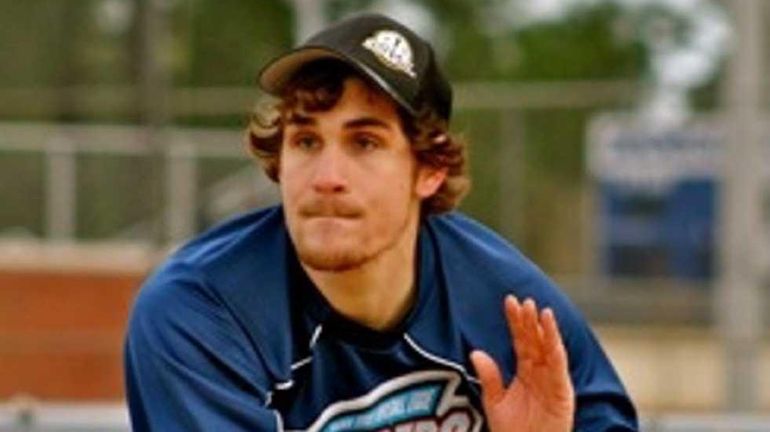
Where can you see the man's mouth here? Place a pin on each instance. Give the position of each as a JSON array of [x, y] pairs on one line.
[[330, 211]]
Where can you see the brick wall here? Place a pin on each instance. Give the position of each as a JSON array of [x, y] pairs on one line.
[[62, 321], [61, 334]]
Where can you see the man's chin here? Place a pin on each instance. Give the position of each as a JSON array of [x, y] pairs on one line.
[[324, 259]]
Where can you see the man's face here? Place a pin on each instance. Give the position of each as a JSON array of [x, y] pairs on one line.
[[349, 181]]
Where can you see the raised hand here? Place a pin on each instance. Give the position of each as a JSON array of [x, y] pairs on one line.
[[541, 397]]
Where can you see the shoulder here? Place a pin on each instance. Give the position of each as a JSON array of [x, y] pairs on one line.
[[230, 240], [480, 268], [215, 267], [470, 251], [175, 300], [224, 290], [234, 262]]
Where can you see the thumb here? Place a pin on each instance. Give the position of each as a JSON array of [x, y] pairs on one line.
[[490, 377]]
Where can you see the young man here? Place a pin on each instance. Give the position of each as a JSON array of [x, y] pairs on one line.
[[360, 304]]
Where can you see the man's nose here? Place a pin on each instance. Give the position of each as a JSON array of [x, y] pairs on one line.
[[329, 176]]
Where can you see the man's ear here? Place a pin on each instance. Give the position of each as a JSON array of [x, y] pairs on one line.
[[429, 180]]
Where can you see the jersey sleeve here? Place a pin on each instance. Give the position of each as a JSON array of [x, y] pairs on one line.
[[188, 365], [601, 401], [480, 268], [602, 404]]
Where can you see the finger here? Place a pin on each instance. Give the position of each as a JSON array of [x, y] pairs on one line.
[[533, 320], [516, 315], [533, 333], [490, 377], [554, 344], [513, 316], [558, 361]]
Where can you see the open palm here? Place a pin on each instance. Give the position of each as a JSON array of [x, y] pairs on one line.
[[541, 397]]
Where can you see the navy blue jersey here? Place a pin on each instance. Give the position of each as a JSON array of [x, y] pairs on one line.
[[231, 335]]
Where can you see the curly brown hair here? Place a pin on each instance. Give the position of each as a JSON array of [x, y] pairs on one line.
[[317, 87]]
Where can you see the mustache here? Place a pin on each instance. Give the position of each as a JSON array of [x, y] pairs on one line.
[[330, 208]]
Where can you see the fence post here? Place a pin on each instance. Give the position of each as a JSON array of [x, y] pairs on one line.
[[738, 303], [511, 175], [181, 188], [61, 195]]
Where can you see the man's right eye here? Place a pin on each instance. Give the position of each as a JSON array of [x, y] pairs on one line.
[[305, 142]]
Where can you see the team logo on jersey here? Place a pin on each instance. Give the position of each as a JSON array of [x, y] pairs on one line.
[[393, 50], [419, 402]]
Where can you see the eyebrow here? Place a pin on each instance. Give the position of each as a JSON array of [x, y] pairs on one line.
[[366, 122], [301, 120], [305, 120]]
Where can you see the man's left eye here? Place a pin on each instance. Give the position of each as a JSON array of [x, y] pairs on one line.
[[366, 142]]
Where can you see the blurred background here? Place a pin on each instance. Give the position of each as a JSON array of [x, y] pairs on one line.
[[622, 144]]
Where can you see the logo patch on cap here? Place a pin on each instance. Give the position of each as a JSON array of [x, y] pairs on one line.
[[393, 50]]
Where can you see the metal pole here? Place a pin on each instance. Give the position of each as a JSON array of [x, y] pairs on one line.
[[61, 211], [511, 176], [181, 188], [309, 18], [738, 303], [154, 103]]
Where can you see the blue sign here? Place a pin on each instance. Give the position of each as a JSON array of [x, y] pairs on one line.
[[657, 199]]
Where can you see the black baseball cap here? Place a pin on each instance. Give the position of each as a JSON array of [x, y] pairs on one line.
[[391, 55]]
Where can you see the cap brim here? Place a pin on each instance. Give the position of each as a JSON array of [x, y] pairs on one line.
[[277, 73], [274, 77]]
